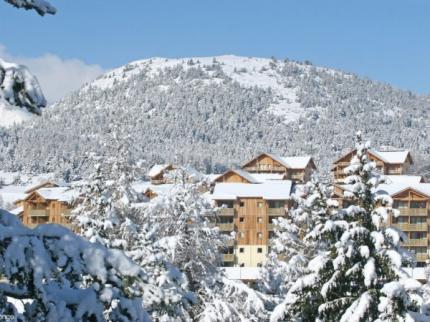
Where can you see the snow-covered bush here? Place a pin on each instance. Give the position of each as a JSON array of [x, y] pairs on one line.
[[58, 276]]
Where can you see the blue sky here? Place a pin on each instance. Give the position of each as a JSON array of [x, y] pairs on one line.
[[384, 40]]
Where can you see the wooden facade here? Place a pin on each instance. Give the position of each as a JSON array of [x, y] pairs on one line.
[[160, 177], [252, 220], [387, 168], [233, 176]]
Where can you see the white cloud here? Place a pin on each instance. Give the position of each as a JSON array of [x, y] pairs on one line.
[[58, 77]]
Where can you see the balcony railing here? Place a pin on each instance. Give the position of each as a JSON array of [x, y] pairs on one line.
[[226, 212], [226, 227], [276, 211], [265, 169], [416, 242], [421, 257], [38, 213], [228, 257], [413, 211], [411, 227]]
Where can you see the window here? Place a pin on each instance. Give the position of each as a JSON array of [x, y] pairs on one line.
[[418, 204], [242, 204], [418, 220], [241, 219], [241, 234], [400, 204], [276, 204], [242, 265], [259, 220], [226, 203], [260, 235], [259, 250], [418, 235], [260, 204], [400, 220], [241, 250]]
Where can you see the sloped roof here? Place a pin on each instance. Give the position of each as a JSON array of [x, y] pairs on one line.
[[242, 173], [391, 156], [157, 169], [264, 177], [268, 190], [292, 162], [64, 194], [395, 188]]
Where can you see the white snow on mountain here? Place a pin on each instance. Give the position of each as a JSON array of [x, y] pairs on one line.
[[247, 71]]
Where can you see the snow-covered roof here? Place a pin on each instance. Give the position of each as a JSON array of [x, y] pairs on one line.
[[157, 169], [391, 156], [404, 179], [418, 273], [17, 211], [160, 189], [277, 190], [64, 194], [292, 162], [395, 188], [213, 176]]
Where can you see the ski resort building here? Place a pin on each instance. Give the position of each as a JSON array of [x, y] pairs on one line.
[[297, 169], [47, 203], [388, 162], [248, 210]]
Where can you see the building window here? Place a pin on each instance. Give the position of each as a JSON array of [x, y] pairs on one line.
[[242, 204], [241, 250], [418, 220], [400, 204], [260, 235], [400, 220], [241, 219], [259, 250], [418, 204], [418, 235], [241, 234], [260, 204], [276, 204], [242, 265], [260, 220]]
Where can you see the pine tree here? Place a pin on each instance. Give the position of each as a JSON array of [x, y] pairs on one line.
[[359, 275]]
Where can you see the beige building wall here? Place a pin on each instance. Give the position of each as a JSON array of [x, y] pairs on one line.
[[250, 255]]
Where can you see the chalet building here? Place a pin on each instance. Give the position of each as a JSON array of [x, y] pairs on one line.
[[242, 176], [169, 174], [47, 203], [388, 162], [157, 173], [298, 169], [249, 210], [412, 199]]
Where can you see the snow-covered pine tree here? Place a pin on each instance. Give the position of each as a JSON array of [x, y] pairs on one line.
[[360, 276], [51, 274], [184, 220], [290, 251], [42, 7]]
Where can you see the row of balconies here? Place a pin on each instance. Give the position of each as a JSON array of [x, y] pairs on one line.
[[416, 242], [413, 211], [271, 212], [265, 167]]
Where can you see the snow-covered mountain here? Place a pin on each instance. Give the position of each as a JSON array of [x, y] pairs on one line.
[[21, 97], [216, 112]]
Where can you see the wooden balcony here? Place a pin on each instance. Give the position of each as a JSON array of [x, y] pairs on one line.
[[226, 227], [276, 212], [411, 227], [226, 212], [265, 169], [38, 213], [416, 242], [421, 257], [413, 211], [228, 257]]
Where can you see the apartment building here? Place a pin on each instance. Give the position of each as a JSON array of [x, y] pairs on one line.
[[388, 162], [297, 169], [47, 203], [248, 210]]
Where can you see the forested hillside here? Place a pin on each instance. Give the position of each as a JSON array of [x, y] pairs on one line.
[[217, 113]]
